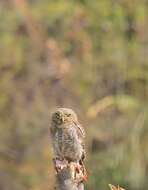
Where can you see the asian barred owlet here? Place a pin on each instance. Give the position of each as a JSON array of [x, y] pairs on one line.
[[67, 135]]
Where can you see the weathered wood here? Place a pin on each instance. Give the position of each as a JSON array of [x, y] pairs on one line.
[[67, 176], [64, 181]]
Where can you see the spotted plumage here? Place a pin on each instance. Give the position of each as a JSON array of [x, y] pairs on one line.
[[67, 135]]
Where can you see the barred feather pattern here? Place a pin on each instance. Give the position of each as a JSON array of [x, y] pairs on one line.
[[68, 143]]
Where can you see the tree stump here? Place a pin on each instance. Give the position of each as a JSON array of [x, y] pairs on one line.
[[64, 181], [67, 177]]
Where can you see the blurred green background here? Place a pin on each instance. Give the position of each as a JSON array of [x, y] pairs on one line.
[[91, 56]]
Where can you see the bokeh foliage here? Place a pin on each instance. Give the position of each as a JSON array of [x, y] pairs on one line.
[[87, 55]]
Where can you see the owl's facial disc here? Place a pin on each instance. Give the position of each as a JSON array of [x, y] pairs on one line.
[[63, 115], [58, 118]]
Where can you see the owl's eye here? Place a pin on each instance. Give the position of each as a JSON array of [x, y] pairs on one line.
[[68, 115]]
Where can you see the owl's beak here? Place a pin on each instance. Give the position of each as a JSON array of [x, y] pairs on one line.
[[63, 119]]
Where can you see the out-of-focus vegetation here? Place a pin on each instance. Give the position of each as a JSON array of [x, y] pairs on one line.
[[115, 188], [91, 56]]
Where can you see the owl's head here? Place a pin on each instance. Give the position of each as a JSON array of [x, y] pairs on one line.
[[63, 115]]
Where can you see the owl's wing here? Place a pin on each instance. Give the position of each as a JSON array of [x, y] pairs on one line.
[[80, 130], [54, 140], [81, 135], [52, 131]]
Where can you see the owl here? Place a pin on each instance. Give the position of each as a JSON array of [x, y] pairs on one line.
[[67, 135]]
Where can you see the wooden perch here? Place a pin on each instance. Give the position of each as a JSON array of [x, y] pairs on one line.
[[65, 181], [70, 175], [67, 178]]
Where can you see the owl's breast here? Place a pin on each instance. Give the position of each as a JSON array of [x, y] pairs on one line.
[[58, 143], [71, 147]]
